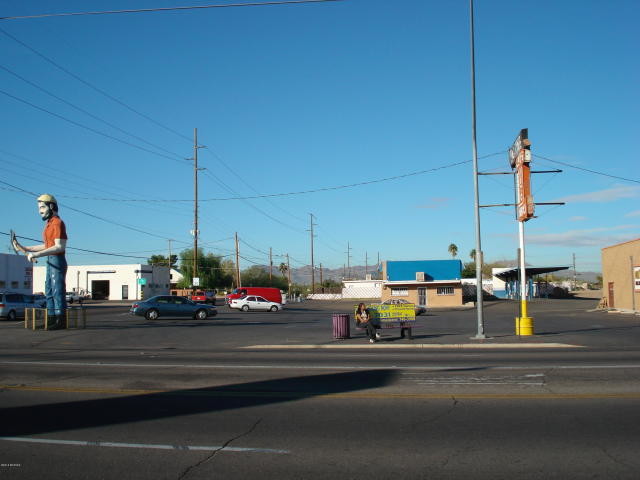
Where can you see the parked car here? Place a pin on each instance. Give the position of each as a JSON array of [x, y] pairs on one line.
[[73, 297], [270, 293], [172, 306], [12, 304], [396, 301], [254, 302], [204, 296], [40, 300]]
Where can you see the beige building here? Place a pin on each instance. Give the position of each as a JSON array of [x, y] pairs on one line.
[[429, 283], [621, 275]]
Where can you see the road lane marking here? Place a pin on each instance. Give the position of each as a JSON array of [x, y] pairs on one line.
[[224, 366], [340, 396], [82, 443]]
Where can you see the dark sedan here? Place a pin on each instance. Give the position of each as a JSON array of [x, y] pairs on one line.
[[172, 306]]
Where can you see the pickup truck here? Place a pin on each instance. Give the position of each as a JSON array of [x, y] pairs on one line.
[[204, 297]]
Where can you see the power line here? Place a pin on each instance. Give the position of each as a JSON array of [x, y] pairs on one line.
[[80, 109], [302, 192], [587, 170], [98, 132], [93, 87], [165, 9]]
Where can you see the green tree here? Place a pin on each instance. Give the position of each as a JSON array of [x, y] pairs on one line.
[[472, 254], [257, 276], [210, 270], [469, 270], [453, 250], [162, 260]]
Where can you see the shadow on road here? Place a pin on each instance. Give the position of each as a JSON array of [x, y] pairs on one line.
[[37, 419]]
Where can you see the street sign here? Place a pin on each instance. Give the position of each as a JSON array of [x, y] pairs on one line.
[[142, 281], [521, 141], [520, 159], [196, 281]]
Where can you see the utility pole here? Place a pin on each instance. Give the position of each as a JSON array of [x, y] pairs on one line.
[[480, 334], [239, 283], [195, 207], [270, 266], [289, 272], [313, 276], [349, 260], [321, 277], [366, 264], [574, 271]]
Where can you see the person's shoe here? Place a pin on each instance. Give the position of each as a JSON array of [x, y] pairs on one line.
[[371, 340], [377, 336]]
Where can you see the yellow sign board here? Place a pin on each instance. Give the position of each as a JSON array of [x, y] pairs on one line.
[[391, 315]]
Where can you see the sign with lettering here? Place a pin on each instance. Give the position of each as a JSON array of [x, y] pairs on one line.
[[391, 315]]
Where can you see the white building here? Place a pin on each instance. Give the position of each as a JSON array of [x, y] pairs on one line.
[[362, 288], [112, 282], [16, 273]]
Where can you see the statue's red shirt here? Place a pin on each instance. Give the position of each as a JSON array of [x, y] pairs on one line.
[[54, 229]]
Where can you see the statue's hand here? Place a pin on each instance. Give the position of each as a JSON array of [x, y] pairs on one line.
[[31, 257]]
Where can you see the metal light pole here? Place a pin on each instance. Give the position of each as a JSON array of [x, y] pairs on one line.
[[480, 335]]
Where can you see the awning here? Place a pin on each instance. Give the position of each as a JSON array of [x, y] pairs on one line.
[[514, 273]]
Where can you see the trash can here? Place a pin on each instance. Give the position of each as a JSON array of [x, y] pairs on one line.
[[341, 327]]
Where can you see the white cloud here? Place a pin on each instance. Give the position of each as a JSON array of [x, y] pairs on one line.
[[635, 213], [577, 219], [607, 195]]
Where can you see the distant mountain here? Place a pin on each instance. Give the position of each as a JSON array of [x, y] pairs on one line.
[[302, 275]]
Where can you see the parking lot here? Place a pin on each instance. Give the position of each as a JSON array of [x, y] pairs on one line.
[[273, 393]]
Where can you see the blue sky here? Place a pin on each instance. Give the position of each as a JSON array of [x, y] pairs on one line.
[[310, 97]]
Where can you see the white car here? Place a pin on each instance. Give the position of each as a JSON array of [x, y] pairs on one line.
[[73, 297], [254, 302]]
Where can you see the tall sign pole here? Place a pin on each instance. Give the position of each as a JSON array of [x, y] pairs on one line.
[[520, 159], [479, 306]]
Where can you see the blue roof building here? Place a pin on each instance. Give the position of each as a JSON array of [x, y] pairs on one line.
[[434, 283]]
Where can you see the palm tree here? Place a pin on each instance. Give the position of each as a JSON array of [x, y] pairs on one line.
[[472, 254], [453, 250], [283, 269]]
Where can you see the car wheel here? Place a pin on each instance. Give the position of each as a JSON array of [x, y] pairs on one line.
[[152, 314], [11, 316], [245, 308], [201, 314], [70, 300], [273, 308]]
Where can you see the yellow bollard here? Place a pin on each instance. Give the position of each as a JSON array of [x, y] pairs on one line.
[[524, 324]]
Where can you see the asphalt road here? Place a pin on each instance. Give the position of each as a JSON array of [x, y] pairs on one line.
[[274, 395]]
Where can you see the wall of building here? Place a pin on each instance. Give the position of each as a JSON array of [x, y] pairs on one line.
[[122, 280], [16, 273], [433, 298], [621, 275]]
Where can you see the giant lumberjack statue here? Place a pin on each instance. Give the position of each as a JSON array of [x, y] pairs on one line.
[[54, 246]]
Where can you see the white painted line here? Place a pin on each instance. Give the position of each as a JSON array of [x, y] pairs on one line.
[[319, 367], [81, 443]]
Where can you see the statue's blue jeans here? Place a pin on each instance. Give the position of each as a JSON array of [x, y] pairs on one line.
[[55, 285]]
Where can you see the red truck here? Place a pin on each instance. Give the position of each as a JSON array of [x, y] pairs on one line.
[[201, 296], [269, 293]]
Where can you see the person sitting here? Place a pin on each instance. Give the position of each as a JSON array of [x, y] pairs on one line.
[[364, 320]]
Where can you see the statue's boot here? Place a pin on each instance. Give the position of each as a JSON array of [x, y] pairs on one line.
[[55, 322]]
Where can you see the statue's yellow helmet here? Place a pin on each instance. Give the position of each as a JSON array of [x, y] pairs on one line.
[[47, 198]]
